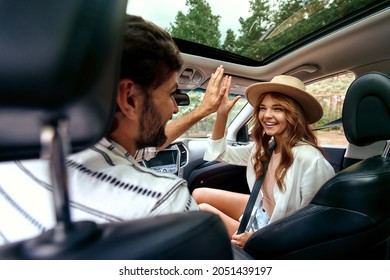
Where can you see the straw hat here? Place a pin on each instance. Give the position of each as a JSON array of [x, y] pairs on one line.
[[289, 86]]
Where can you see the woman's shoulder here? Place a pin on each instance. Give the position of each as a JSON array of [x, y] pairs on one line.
[[312, 158], [306, 150]]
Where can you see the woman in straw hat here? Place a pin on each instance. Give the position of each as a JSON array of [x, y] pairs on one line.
[[283, 111]]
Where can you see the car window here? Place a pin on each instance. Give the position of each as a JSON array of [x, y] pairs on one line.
[[204, 127], [330, 92], [258, 31]]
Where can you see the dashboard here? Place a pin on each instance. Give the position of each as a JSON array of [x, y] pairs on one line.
[[184, 158], [170, 160]]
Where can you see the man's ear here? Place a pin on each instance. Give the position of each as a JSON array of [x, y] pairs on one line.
[[126, 98]]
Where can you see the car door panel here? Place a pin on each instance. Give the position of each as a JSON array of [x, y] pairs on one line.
[[219, 175]]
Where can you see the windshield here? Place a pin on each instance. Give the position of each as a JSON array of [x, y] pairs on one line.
[[204, 127]]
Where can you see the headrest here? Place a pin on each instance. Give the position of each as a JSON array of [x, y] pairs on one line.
[[59, 61], [366, 110]]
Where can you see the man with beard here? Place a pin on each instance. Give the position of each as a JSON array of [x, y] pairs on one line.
[[106, 184]]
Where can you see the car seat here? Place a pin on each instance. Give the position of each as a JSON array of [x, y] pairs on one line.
[[349, 217], [59, 68], [354, 154]]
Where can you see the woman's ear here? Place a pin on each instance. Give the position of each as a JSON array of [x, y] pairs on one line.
[[126, 98]]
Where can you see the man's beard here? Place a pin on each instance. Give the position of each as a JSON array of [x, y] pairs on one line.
[[152, 130]]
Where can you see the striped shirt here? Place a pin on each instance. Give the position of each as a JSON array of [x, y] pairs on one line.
[[106, 184]]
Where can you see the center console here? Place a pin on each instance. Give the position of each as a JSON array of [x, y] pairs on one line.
[[170, 160]]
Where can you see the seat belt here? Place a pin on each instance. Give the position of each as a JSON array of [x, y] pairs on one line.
[[253, 197]]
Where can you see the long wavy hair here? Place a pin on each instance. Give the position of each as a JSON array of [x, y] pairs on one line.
[[297, 132]]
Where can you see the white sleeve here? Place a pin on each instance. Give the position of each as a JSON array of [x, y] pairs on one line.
[[315, 176], [219, 150]]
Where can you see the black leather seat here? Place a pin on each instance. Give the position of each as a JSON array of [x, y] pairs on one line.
[[349, 217], [59, 68]]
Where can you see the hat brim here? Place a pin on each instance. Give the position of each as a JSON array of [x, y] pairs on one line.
[[311, 107]]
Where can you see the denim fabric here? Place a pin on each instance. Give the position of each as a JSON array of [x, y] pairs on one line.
[[261, 218]]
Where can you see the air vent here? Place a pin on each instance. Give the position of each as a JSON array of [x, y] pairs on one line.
[[183, 154], [190, 78]]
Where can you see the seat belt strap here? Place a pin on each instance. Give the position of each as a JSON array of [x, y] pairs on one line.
[[253, 197]]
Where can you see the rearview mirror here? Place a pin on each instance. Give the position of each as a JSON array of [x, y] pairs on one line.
[[182, 99]]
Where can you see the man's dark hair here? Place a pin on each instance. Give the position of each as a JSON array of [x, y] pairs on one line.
[[149, 53]]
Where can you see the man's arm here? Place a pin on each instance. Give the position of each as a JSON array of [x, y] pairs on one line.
[[178, 127], [217, 88]]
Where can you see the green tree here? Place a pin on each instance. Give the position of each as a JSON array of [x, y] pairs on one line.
[[285, 9], [250, 43], [230, 41], [198, 25]]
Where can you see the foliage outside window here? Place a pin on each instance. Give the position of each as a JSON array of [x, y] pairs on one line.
[[271, 26], [330, 93]]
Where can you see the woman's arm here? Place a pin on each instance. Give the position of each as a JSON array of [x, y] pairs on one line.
[[222, 113]]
